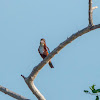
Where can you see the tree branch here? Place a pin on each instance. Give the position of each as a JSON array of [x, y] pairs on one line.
[[90, 13], [32, 87], [12, 94], [30, 79]]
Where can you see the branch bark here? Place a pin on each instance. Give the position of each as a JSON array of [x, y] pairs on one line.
[[12, 94], [90, 13]]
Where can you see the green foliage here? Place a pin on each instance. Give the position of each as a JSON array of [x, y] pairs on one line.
[[86, 91], [97, 98], [98, 90], [94, 91], [92, 87]]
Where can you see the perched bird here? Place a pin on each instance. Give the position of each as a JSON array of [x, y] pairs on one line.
[[44, 51]]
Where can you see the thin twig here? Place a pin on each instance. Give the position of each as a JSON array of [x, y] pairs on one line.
[[93, 93], [90, 13], [94, 7]]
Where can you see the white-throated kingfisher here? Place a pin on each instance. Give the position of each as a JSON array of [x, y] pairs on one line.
[[44, 51]]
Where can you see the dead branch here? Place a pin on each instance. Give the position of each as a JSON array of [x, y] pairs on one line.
[[11, 93], [90, 13], [30, 79]]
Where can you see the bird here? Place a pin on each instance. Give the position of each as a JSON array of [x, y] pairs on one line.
[[44, 51]]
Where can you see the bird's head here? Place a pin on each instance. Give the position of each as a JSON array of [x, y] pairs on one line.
[[42, 41]]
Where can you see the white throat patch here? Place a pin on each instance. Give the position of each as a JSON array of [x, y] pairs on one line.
[[41, 49]]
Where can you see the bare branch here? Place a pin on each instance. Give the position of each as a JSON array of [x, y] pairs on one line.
[[12, 94], [30, 79], [37, 68], [90, 13], [33, 88]]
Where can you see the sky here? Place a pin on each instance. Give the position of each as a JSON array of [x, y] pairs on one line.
[[77, 66]]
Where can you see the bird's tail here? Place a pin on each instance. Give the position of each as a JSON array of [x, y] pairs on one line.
[[50, 64]]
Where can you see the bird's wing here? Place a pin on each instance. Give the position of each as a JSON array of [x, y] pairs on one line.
[[48, 50]]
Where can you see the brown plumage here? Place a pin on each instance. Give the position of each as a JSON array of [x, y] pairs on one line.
[[44, 51]]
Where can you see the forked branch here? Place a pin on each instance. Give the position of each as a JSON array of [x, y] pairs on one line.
[[91, 13], [30, 79]]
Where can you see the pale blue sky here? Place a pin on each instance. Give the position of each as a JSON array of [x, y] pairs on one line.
[[24, 22]]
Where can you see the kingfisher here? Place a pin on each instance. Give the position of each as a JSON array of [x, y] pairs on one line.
[[44, 51]]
